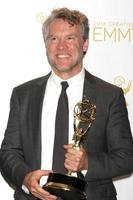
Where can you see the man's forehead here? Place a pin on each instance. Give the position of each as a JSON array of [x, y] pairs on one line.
[[63, 22]]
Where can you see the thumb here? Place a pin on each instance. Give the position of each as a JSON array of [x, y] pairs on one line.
[[43, 173]]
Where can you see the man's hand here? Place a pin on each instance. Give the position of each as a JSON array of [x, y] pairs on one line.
[[75, 160], [31, 181]]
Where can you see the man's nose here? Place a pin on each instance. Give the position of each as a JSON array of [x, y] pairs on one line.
[[62, 44]]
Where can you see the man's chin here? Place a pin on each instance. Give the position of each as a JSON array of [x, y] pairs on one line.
[[64, 68]]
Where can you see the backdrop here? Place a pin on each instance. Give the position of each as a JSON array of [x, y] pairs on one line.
[[23, 54]]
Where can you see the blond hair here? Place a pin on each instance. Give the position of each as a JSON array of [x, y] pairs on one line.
[[71, 16]]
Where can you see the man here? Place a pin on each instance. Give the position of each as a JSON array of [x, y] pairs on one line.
[[26, 151]]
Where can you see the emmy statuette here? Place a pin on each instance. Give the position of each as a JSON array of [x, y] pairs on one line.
[[66, 186]]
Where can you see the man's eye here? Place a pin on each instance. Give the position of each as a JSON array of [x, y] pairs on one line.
[[53, 38], [70, 38]]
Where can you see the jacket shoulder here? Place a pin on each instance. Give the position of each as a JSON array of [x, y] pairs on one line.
[[101, 84], [32, 83]]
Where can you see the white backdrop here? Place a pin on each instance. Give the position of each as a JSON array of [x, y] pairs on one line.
[[23, 54]]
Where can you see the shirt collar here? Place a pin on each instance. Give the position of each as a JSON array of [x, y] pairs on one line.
[[77, 79]]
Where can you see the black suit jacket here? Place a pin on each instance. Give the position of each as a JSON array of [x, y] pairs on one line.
[[108, 143]]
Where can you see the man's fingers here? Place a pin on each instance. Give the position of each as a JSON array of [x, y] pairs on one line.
[[41, 193]]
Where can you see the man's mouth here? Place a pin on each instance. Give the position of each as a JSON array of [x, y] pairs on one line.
[[62, 55]]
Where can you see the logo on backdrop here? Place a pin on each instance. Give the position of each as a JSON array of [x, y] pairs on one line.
[[41, 17], [112, 31], [104, 31], [120, 81]]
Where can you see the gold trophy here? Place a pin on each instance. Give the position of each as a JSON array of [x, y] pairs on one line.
[[67, 186]]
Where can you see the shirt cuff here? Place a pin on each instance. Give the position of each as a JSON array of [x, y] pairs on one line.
[[25, 189], [84, 172]]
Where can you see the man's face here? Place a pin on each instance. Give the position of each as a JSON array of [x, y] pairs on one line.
[[65, 47]]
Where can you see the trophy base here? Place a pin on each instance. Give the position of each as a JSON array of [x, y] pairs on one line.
[[65, 186]]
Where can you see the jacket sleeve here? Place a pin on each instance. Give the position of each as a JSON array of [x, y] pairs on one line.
[[117, 160], [12, 164]]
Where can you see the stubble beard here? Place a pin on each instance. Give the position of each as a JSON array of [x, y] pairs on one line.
[[65, 69]]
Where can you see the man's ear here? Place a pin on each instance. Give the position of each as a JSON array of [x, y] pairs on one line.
[[85, 46]]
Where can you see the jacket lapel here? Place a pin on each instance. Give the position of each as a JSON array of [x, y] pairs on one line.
[[35, 123], [89, 90], [89, 93]]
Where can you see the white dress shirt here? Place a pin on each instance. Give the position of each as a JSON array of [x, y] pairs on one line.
[[52, 93]]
